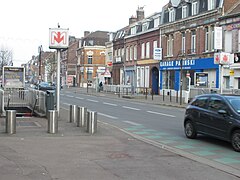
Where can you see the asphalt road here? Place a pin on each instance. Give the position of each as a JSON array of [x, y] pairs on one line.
[[162, 125]]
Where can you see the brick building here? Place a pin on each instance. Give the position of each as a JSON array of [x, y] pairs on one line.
[[91, 57], [187, 39]]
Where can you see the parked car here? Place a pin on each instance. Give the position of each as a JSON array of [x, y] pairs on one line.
[[215, 115], [44, 86]]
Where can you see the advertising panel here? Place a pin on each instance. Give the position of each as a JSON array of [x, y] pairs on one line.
[[201, 79], [13, 77]]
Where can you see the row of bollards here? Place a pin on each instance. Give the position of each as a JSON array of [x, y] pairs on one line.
[[10, 122], [83, 118], [78, 115]]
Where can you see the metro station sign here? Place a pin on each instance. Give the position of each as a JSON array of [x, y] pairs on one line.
[[58, 38]]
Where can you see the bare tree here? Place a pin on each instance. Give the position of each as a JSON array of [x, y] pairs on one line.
[[6, 58], [51, 66]]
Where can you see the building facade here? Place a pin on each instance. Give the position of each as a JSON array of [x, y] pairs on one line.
[[187, 38], [91, 58]]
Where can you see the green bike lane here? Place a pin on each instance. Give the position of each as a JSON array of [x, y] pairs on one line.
[[204, 147]]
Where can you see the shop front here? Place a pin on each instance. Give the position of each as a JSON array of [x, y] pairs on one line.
[[202, 73]]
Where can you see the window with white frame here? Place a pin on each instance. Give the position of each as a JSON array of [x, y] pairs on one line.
[[170, 45], [146, 76], [228, 41], [183, 43], [131, 53], [122, 52], [194, 8], [148, 50], [212, 38], [184, 11], [145, 26], [193, 41], [115, 53], [207, 39], [135, 52], [90, 59], [127, 54], [155, 45], [211, 4], [171, 15], [143, 51], [133, 30], [156, 22], [119, 52]]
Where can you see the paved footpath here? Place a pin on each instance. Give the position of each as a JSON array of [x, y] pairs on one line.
[[73, 154]]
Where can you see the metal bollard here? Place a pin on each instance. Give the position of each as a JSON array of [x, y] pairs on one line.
[[82, 116], [73, 113], [52, 121], [92, 122], [11, 121]]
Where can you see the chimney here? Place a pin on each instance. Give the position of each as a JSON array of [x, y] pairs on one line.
[[132, 19], [140, 13], [86, 33]]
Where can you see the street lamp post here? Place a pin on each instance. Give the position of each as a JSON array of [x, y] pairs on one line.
[[40, 62]]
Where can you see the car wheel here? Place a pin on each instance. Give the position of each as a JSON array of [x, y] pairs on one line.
[[190, 130], [236, 140]]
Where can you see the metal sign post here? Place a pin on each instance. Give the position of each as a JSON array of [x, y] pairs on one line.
[[58, 81], [58, 39]]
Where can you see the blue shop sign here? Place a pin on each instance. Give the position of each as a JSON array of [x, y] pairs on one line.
[[204, 63]]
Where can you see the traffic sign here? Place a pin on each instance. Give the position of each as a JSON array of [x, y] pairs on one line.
[[58, 38]]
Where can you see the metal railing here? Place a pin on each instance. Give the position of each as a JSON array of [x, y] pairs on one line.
[[31, 98]]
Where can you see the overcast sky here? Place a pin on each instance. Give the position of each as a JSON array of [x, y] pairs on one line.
[[25, 23]]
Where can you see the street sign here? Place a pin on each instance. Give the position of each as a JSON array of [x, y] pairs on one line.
[[58, 38], [157, 53]]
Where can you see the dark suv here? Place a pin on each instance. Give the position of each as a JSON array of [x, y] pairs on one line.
[[215, 115]]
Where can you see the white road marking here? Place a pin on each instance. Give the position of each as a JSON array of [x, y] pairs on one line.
[[67, 104], [132, 123], [79, 98], [92, 100], [112, 117], [126, 107], [152, 112], [110, 104], [69, 96]]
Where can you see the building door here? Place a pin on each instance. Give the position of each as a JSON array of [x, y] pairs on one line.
[[155, 80]]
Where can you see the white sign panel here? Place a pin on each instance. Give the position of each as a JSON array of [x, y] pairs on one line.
[[218, 38], [157, 53], [58, 38]]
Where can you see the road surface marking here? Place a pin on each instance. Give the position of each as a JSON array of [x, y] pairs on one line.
[[126, 107], [110, 104], [79, 98], [112, 117], [92, 100], [69, 96], [67, 104], [152, 112], [132, 123]]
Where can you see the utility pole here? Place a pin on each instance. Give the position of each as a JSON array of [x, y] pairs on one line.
[[40, 63], [181, 81]]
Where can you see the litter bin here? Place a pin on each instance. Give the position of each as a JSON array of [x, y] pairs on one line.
[[49, 100]]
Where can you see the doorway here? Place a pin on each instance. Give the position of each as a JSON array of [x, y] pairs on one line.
[[155, 80]]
